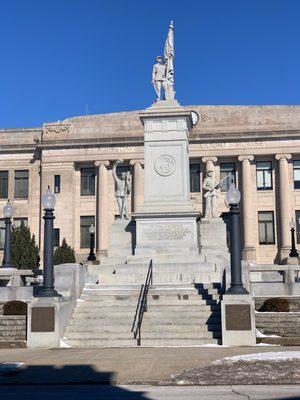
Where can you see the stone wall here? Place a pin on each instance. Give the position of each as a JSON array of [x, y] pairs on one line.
[[12, 331], [286, 324]]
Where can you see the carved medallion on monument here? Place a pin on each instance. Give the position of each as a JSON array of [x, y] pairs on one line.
[[165, 165]]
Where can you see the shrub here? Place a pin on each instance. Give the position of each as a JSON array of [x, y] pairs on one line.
[[24, 251], [15, 307], [275, 304], [64, 254]]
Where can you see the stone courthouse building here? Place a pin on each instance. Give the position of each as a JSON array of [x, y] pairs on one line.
[[258, 145]]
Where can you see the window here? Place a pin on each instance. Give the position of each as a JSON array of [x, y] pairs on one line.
[[3, 184], [296, 174], [2, 233], [266, 227], [225, 170], [21, 184], [17, 222], [264, 175], [56, 183], [85, 223], [87, 181], [194, 178], [298, 225], [56, 237]]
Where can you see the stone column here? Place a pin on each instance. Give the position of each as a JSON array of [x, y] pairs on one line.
[[102, 207], [284, 204], [138, 183], [249, 251]]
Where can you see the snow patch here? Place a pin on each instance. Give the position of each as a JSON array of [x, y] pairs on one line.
[[259, 334], [265, 344], [268, 356], [64, 344]]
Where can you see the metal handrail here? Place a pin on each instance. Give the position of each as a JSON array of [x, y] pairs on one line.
[[143, 303]]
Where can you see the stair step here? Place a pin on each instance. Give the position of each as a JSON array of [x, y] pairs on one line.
[[107, 329], [94, 343], [145, 335], [177, 342], [181, 321], [170, 296], [181, 335], [152, 308], [99, 335]]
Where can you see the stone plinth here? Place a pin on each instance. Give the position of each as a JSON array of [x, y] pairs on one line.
[[213, 237], [47, 320], [166, 222], [122, 240], [238, 320]]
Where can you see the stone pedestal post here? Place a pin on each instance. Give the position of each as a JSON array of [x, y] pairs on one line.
[[102, 207], [249, 252], [284, 203], [138, 184], [166, 220], [238, 320]]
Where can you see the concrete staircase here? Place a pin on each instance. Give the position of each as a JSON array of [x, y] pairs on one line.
[[178, 315]]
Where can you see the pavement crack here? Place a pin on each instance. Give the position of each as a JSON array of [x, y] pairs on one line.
[[239, 394]]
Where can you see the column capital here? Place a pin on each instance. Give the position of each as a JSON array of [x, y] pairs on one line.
[[209, 158], [104, 163], [139, 161], [246, 157], [283, 156]]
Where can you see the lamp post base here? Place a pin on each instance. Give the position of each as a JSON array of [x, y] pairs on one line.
[[48, 292], [294, 253], [8, 265], [91, 257], [237, 290]]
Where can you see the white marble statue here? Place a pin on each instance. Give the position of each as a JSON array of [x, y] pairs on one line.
[[211, 194], [159, 76], [123, 187], [163, 70]]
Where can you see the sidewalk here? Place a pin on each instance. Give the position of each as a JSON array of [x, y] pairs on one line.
[[115, 365]]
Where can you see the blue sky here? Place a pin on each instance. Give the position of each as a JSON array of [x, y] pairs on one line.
[[59, 55]]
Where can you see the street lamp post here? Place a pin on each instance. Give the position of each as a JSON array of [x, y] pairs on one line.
[[233, 198], [8, 212], [48, 290], [293, 252], [92, 231]]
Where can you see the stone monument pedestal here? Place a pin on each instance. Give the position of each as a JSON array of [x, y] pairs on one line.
[[166, 222], [213, 237], [238, 320]]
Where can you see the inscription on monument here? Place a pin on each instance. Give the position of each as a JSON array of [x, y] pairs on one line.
[[159, 231], [43, 319], [238, 317]]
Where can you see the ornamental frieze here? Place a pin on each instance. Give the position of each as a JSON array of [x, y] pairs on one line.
[[56, 130]]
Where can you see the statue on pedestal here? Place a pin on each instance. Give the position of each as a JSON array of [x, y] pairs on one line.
[[163, 70], [211, 194], [123, 187]]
